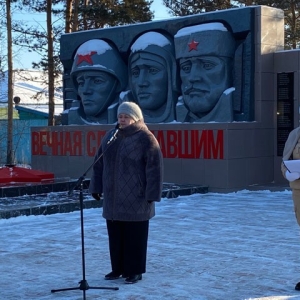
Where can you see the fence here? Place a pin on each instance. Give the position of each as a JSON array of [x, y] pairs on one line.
[[21, 140]]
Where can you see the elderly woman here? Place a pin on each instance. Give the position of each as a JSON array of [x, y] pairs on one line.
[[129, 173]]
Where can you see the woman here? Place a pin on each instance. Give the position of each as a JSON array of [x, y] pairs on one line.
[[129, 173], [292, 151]]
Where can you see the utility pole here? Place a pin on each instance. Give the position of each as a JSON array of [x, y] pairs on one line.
[[10, 154]]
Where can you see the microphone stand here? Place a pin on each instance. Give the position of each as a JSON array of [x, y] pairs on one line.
[[83, 284]]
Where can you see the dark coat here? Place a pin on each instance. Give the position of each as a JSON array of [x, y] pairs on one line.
[[129, 174]]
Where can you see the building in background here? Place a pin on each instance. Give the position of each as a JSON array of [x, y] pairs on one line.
[[30, 94], [31, 109]]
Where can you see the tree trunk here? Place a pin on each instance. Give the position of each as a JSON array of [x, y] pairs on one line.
[[51, 120], [75, 16], [68, 26], [10, 154], [85, 25]]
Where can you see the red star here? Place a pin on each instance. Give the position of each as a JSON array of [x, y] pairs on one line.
[[87, 58], [193, 45]]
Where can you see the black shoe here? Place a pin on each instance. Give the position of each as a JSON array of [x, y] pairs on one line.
[[297, 287], [112, 276], [134, 278]]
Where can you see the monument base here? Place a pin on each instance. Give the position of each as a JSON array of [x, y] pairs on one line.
[[10, 174]]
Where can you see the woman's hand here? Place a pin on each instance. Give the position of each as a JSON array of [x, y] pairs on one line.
[[292, 176], [96, 196]]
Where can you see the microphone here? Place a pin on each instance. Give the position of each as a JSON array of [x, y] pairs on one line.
[[114, 134]]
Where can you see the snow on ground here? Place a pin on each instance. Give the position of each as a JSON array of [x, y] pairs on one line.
[[235, 246]]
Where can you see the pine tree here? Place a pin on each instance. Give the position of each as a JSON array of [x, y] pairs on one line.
[[291, 17], [290, 8], [44, 41], [104, 13], [75, 15], [191, 7]]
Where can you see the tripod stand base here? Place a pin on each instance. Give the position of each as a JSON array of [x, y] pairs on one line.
[[84, 287]]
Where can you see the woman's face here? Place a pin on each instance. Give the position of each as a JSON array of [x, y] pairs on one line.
[[149, 80], [125, 120]]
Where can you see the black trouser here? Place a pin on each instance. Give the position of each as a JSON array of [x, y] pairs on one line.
[[128, 246]]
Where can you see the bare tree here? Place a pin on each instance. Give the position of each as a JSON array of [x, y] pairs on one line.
[[44, 41]]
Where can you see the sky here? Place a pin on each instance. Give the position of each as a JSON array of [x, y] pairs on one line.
[[236, 246], [23, 59]]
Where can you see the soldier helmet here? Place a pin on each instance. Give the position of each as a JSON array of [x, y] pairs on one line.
[[99, 55], [160, 45]]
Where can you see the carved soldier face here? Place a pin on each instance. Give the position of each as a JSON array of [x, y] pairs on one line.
[[204, 79], [96, 90], [149, 80]]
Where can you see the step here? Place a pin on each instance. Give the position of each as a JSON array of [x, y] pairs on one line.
[[54, 198]]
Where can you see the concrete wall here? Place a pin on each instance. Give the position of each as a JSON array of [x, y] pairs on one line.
[[224, 157], [287, 62], [269, 40]]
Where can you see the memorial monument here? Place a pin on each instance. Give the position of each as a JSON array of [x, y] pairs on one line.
[[206, 83]]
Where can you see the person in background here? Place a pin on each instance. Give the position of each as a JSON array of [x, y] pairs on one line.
[[292, 151], [129, 173]]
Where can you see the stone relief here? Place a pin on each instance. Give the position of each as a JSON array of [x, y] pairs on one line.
[[98, 75], [185, 78], [205, 54], [152, 76]]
